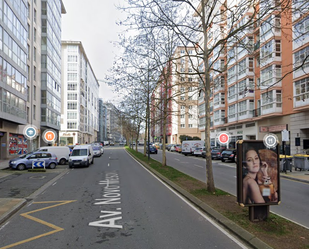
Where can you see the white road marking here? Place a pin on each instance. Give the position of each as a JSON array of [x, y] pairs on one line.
[[4, 225], [198, 166], [54, 183], [108, 165]]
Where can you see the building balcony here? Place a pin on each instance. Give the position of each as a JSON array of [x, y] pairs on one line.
[[219, 121], [271, 108]]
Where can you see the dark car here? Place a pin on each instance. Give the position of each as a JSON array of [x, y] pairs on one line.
[[216, 153], [152, 149], [228, 155], [34, 158]]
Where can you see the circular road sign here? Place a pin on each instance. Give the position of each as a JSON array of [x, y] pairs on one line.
[[223, 138], [270, 140], [49, 136], [30, 132]]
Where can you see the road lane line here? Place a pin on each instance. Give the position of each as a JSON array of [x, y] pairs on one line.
[[198, 166]]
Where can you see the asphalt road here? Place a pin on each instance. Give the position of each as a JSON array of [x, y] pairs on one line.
[[115, 203], [294, 202]]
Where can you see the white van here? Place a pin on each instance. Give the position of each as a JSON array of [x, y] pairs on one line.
[[82, 155], [188, 145], [62, 152]]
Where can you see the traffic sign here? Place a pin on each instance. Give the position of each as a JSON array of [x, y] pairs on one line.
[[38, 164], [30, 132], [223, 138], [285, 135], [49, 136], [270, 140]]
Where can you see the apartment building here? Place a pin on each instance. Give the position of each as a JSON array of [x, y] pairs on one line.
[[102, 134], [13, 77], [181, 91], [51, 11], [24, 39], [80, 96], [113, 128], [257, 92], [299, 121]]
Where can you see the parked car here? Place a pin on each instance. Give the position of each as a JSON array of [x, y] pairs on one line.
[[228, 154], [96, 151], [204, 153], [152, 149], [169, 146], [197, 151], [25, 161], [173, 148], [82, 155], [178, 148], [216, 153]]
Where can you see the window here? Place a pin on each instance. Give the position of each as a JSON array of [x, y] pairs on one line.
[[72, 106], [301, 89], [301, 57], [182, 126], [72, 96], [34, 92], [34, 16], [278, 47], [34, 112], [72, 115], [71, 125], [190, 125], [34, 73], [34, 54]]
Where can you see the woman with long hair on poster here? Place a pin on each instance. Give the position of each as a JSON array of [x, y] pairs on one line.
[[251, 190]]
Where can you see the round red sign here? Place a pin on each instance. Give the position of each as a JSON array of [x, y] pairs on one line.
[[223, 138]]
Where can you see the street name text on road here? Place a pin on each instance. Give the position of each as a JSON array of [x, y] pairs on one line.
[[111, 196]]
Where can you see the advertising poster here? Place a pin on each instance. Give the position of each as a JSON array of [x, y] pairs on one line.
[[258, 181], [17, 145]]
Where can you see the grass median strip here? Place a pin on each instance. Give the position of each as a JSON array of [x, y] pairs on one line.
[[275, 231]]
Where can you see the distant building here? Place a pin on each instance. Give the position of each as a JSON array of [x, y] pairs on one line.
[[80, 96], [102, 134], [113, 129]]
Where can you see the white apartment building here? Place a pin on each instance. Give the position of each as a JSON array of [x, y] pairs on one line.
[[80, 96]]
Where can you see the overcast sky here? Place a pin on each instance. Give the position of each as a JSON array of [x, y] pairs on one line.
[[93, 22]]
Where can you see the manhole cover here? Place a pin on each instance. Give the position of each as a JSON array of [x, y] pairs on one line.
[[37, 177]]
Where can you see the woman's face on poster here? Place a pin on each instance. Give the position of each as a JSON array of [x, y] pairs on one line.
[[252, 161]]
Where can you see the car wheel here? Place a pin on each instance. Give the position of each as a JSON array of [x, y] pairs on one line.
[[21, 167], [156, 152], [52, 166], [62, 161], [223, 160], [70, 166]]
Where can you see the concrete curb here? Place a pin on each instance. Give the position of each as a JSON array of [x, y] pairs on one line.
[[238, 231], [12, 205]]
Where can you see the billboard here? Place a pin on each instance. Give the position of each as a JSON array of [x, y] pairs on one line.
[[258, 180]]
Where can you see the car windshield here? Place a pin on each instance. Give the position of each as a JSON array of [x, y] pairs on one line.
[[229, 152], [79, 152], [96, 148]]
